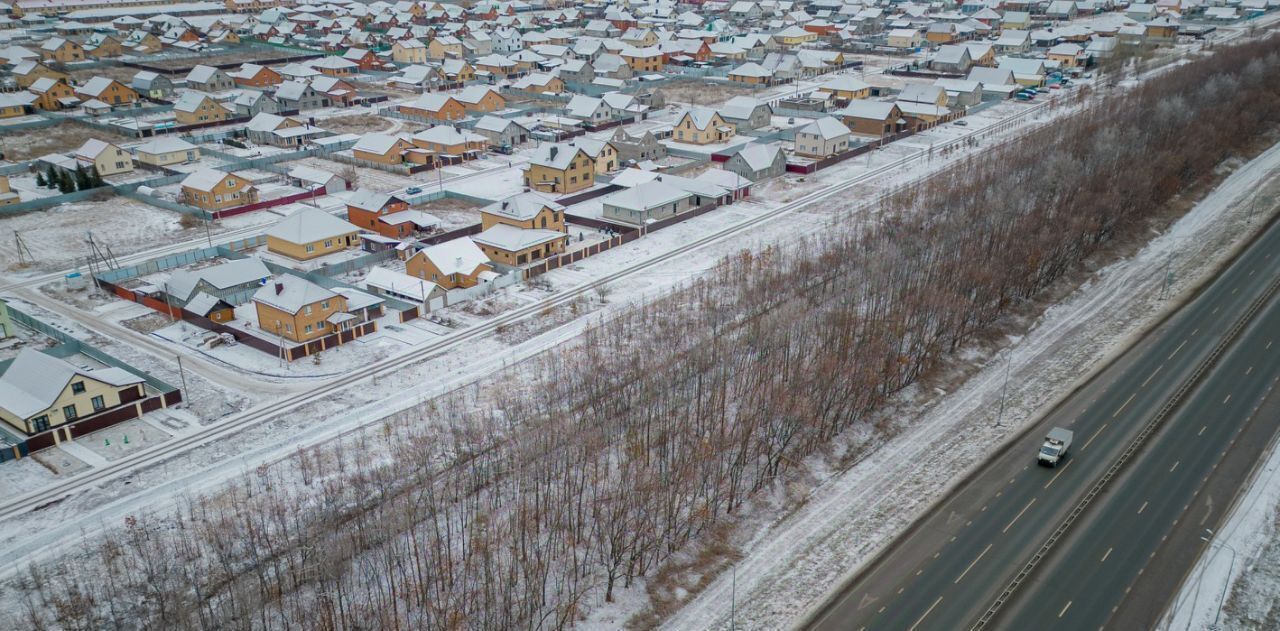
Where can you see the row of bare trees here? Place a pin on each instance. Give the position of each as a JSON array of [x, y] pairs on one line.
[[523, 503]]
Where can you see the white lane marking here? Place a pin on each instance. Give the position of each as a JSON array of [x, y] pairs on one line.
[[1175, 466], [1055, 476], [1142, 508], [926, 613], [1095, 435], [1104, 557], [1144, 384], [1018, 516], [1126, 402], [972, 563], [1175, 351], [1202, 430], [1227, 399], [1064, 609]]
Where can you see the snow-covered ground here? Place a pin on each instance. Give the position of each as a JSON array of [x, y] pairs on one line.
[[792, 560], [1241, 566]]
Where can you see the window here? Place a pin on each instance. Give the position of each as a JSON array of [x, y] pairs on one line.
[[40, 423], [98, 403], [217, 198], [231, 181], [288, 328], [324, 305], [69, 411], [307, 329], [306, 310], [328, 243], [311, 248], [77, 387]]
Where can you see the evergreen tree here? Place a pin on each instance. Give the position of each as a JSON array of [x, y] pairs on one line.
[[65, 183], [40, 178], [95, 178], [82, 178], [51, 177]]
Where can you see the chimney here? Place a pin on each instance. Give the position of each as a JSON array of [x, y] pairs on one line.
[[279, 288], [504, 205], [554, 151]]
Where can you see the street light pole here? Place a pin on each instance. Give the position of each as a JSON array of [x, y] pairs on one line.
[[1225, 584], [1005, 388]]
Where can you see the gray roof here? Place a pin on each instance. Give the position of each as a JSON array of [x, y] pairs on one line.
[[182, 284], [759, 157]]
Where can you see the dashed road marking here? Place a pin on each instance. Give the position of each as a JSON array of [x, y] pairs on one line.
[[1104, 556], [1055, 476], [926, 613], [1126, 402], [1095, 435], [1142, 508], [1064, 609], [1175, 466]]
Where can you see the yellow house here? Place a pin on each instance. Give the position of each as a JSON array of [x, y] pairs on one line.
[[845, 88], [28, 72], [409, 51], [445, 47], [61, 50], [104, 46], [525, 210], [50, 93], [12, 106], [311, 232], [7, 195], [648, 59], [108, 91], [702, 126], [194, 108], [299, 310], [557, 168], [452, 264], [794, 35], [40, 392], [166, 150], [212, 189], [516, 246], [602, 153], [107, 158]]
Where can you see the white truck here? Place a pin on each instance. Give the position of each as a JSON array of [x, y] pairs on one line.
[[1055, 446]]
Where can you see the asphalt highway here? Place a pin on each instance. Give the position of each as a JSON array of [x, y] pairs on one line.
[[945, 571]]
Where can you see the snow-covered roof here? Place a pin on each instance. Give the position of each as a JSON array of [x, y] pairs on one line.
[[92, 148], [34, 380], [827, 128], [645, 196], [459, 256], [759, 157], [366, 199], [376, 143], [310, 225], [291, 293], [522, 207], [446, 135], [513, 239], [701, 117], [399, 283], [555, 156], [877, 110], [204, 179], [741, 107], [223, 276]]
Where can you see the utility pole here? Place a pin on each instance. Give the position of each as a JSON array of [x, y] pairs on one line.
[[183, 375], [1004, 390]]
